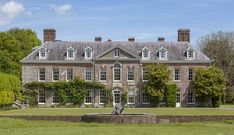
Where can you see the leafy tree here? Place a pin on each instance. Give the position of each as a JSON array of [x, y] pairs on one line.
[[209, 83], [15, 44], [219, 47], [171, 95], [158, 77]]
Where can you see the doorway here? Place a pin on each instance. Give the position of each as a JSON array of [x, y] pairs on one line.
[[116, 97]]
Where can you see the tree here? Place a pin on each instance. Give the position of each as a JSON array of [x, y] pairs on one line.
[[219, 47], [158, 77], [210, 83], [15, 44]]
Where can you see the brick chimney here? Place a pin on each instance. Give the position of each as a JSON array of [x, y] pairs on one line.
[[98, 39], [131, 39], [49, 35], [161, 39], [183, 35]]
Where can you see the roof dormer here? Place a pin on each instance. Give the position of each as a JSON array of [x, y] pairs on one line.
[[190, 53], [145, 53], [162, 53], [42, 53], [88, 53], [70, 53]]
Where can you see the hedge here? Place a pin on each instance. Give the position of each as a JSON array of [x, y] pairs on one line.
[[171, 95]]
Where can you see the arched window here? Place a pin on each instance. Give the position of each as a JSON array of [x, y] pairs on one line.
[[117, 72], [88, 53], [70, 53], [145, 53], [42, 53], [162, 53]]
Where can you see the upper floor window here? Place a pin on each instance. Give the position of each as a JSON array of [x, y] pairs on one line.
[[42, 53], [69, 74], [177, 74], [41, 74], [144, 74], [162, 53], [130, 74], [55, 74], [88, 74], [117, 72], [103, 74], [70, 53], [145, 53], [117, 52], [190, 74], [190, 53], [88, 53]]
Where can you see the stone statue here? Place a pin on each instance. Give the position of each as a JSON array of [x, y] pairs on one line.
[[117, 109]]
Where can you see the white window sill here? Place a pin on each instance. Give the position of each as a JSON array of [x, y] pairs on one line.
[[41, 80], [177, 81], [101, 103], [144, 80], [130, 81], [116, 81], [191, 103], [145, 103], [55, 103], [87, 103], [102, 81], [41, 103], [130, 103]]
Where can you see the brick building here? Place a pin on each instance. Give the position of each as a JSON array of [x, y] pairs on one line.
[[120, 65]]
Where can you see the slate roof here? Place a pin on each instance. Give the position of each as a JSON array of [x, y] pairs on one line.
[[56, 51]]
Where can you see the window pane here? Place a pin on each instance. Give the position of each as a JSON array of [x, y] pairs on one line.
[[116, 72], [41, 96], [116, 53], [88, 97], [70, 53], [69, 74], [88, 74], [69, 97], [145, 74], [178, 97], [177, 74], [145, 53], [131, 96], [145, 98], [117, 98], [130, 74], [42, 74], [191, 97], [55, 74], [55, 97], [103, 74], [190, 54], [102, 96], [190, 77]]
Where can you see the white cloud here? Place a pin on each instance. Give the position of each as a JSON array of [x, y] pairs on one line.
[[9, 11], [62, 9]]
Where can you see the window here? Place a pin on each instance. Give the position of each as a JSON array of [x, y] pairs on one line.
[[162, 54], [69, 97], [190, 74], [70, 53], [42, 74], [69, 74], [190, 53], [55, 97], [145, 98], [145, 74], [177, 74], [41, 96], [130, 74], [55, 74], [117, 72], [131, 97], [117, 97], [102, 96], [88, 74], [88, 97], [191, 97], [177, 97], [145, 53], [42, 54], [116, 53], [103, 74], [88, 53]]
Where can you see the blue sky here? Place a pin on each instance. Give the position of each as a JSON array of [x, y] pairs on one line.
[[118, 19]]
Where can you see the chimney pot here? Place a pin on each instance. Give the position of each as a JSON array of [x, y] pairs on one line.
[[183, 35], [98, 39], [49, 34], [131, 39], [161, 39], [109, 40]]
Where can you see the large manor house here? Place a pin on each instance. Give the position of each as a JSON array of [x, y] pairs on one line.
[[120, 65]]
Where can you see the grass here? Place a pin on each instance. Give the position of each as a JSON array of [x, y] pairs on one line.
[[156, 111], [227, 106], [16, 126]]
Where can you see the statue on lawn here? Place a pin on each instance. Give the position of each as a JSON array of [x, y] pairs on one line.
[[118, 109]]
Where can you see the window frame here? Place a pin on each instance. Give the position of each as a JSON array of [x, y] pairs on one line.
[[192, 52], [89, 97], [144, 51], [143, 74], [89, 51], [164, 51], [53, 75], [39, 96], [133, 75], [114, 72], [132, 96], [68, 74], [55, 97], [39, 75], [101, 96], [87, 77], [143, 95], [101, 75], [45, 53], [177, 75], [190, 74], [117, 53], [191, 97]]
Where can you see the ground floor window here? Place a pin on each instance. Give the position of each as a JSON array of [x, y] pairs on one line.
[[88, 97], [102, 96], [55, 97], [131, 97], [177, 97], [69, 97], [117, 98], [191, 97], [145, 98], [41, 96]]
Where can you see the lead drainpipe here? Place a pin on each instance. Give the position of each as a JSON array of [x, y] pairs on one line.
[[94, 91]]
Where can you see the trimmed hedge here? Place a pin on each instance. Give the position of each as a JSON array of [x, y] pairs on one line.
[[171, 95]]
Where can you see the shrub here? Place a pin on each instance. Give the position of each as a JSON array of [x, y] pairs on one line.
[[171, 95]]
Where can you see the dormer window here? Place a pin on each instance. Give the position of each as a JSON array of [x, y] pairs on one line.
[[145, 53], [116, 53], [88, 53], [190, 53], [163, 53], [42, 53], [70, 53]]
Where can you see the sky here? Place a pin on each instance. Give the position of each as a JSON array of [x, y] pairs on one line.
[[146, 20]]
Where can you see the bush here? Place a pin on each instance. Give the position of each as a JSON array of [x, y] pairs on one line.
[[171, 95]]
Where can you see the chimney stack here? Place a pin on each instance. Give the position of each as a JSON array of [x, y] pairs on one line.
[[183, 35], [49, 35], [161, 39], [98, 39], [131, 39], [109, 40]]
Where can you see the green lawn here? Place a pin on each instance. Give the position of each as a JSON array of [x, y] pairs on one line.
[[22, 127], [227, 106], [157, 111]]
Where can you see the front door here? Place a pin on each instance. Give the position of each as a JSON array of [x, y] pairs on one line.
[[177, 99], [116, 97]]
